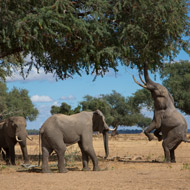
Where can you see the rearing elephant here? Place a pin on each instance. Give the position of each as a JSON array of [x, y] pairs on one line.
[[13, 130], [61, 130], [166, 118]]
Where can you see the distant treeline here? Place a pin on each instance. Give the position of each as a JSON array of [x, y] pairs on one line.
[[33, 131], [127, 131]]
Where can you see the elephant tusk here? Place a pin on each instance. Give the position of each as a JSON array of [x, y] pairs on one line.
[[31, 139], [18, 139], [142, 80], [112, 129], [139, 83]]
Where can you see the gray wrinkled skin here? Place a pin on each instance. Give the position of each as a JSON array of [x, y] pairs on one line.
[[9, 129], [61, 130], [166, 120]]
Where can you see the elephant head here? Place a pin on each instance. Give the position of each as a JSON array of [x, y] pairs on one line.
[[16, 128], [162, 98], [101, 126]]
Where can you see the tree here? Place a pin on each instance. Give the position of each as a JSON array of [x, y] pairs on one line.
[[176, 78], [117, 109], [68, 37], [140, 99], [143, 122], [16, 103], [64, 109]]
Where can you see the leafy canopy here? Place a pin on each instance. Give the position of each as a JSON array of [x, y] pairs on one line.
[[16, 103], [176, 77], [64, 109], [72, 36]]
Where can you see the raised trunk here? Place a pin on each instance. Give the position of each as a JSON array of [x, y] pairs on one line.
[[105, 138], [146, 76]]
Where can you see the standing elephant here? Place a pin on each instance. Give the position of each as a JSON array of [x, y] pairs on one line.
[[166, 120], [13, 130], [61, 130]]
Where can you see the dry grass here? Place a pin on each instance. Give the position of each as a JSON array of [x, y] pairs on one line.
[[133, 163]]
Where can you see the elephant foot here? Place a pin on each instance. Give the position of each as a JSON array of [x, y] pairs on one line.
[[96, 168], [150, 137], [46, 170], [85, 169], [63, 170], [8, 163], [159, 137], [173, 161]]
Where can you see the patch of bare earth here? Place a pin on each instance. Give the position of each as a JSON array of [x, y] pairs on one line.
[[134, 163]]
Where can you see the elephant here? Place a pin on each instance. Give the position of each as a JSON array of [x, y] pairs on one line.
[[13, 130], [167, 120], [60, 130]]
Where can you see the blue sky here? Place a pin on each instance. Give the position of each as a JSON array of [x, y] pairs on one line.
[[45, 91]]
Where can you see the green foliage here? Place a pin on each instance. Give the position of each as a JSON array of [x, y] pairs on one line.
[[64, 109], [117, 109], [68, 37], [141, 98], [151, 30], [143, 122], [176, 78], [16, 103]]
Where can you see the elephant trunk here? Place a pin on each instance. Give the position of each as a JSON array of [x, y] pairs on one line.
[[22, 141], [105, 138], [150, 84]]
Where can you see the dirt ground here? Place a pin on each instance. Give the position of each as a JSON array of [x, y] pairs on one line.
[[134, 163]]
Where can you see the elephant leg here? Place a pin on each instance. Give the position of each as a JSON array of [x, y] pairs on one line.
[[156, 124], [169, 145], [166, 151], [157, 134], [5, 153], [84, 158], [45, 158], [88, 148], [12, 154], [147, 131], [60, 150], [172, 152]]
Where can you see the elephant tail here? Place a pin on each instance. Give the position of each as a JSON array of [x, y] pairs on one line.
[[39, 157]]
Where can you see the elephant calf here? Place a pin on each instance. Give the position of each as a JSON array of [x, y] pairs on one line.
[[13, 130], [61, 130]]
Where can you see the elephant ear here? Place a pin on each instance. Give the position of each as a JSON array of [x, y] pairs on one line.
[[98, 121], [9, 128]]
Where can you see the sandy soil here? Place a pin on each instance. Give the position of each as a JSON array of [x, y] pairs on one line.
[[134, 163]]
